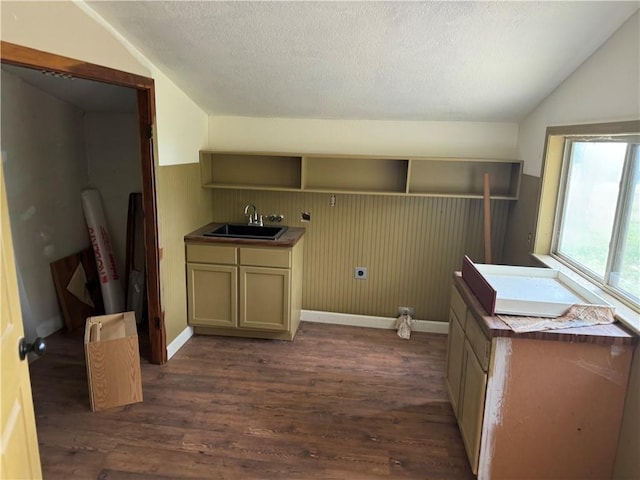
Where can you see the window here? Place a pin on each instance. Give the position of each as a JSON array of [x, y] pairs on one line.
[[589, 214], [598, 219]]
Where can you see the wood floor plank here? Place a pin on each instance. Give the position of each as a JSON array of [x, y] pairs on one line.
[[283, 450], [70, 462], [337, 403], [108, 474]]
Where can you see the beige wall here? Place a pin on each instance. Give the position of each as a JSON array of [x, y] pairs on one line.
[[184, 208], [447, 139], [521, 226], [410, 245], [603, 89], [64, 29]]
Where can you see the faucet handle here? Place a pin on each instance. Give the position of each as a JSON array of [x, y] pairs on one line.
[[275, 217]]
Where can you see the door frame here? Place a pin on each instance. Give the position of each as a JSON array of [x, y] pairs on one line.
[[13, 54]]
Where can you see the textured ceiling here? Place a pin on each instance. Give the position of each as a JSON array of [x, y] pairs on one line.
[[474, 61]]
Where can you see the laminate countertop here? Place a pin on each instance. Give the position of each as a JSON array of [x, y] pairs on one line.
[[288, 239], [613, 334]]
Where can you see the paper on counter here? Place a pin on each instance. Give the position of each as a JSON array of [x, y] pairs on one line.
[[575, 316]]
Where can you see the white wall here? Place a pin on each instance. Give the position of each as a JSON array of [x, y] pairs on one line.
[[73, 30], [448, 139], [52, 151], [605, 88], [45, 171], [114, 167], [181, 126]]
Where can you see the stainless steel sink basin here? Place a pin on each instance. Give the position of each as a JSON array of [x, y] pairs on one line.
[[230, 230]]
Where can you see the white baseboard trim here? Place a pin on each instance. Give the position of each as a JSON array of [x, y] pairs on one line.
[[428, 326], [49, 326], [179, 341]]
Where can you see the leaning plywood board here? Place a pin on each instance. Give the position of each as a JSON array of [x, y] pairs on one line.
[[75, 279], [527, 291]]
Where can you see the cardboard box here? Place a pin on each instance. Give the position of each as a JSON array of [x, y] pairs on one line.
[[113, 360]]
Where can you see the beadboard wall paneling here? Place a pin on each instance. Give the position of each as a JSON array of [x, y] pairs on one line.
[[410, 245], [182, 207], [521, 225]]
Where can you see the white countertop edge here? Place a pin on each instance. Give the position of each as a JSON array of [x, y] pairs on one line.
[[626, 315]]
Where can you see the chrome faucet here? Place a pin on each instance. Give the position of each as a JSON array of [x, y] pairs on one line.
[[254, 218]]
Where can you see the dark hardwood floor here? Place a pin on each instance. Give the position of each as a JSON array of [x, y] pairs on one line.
[[336, 403]]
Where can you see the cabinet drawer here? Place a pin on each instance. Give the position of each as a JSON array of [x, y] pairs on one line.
[[459, 307], [479, 342], [266, 257], [212, 254]]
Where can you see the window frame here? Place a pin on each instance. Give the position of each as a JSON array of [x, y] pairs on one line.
[[553, 188]]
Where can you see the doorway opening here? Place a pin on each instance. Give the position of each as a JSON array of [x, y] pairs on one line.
[[139, 91]]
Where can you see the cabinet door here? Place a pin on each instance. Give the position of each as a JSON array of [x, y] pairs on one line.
[[212, 295], [472, 405], [265, 302], [455, 353]]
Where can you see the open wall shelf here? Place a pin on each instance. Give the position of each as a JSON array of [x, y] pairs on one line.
[[267, 171], [416, 176], [355, 174], [464, 178]]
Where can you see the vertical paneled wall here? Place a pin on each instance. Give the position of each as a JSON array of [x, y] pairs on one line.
[[182, 207], [410, 245]]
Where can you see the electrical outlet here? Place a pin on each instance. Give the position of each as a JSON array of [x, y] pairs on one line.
[[360, 273], [406, 311]]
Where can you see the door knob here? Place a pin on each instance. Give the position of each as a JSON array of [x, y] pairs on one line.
[[38, 347]]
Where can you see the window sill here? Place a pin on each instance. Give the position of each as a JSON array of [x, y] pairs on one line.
[[624, 314]]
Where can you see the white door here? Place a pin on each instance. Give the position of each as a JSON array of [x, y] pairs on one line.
[[19, 455]]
